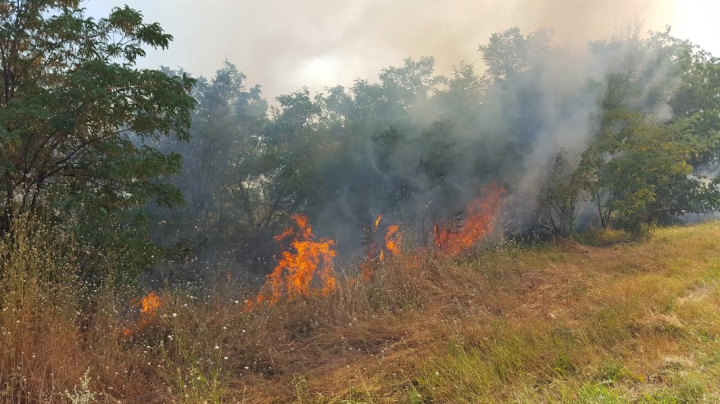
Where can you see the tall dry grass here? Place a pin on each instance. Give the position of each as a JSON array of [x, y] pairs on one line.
[[59, 335], [624, 322], [40, 348]]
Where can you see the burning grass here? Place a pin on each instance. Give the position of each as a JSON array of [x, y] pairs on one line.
[[305, 261], [631, 322], [456, 236]]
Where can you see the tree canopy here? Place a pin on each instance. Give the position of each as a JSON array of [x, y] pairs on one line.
[[625, 134], [76, 114]]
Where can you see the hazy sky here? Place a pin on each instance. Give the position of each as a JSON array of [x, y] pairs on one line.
[[286, 44]]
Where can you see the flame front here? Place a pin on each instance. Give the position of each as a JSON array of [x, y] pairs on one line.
[[479, 222], [307, 260]]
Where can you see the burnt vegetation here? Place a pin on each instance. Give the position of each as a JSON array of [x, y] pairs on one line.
[[162, 230]]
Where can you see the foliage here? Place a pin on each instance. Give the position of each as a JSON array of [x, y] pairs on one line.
[[222, 163], [87, 139], [558, 199], [640, 165], [76, 116], [416, 146], [510, 53], [85, 395]]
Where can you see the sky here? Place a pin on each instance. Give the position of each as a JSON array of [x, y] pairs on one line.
[[284, 45]]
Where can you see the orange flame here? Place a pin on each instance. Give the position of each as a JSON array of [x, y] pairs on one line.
[[367, 268], [479, 222], [393, 238], [296, 270], [392, 245], [377, 221], [149, 306]]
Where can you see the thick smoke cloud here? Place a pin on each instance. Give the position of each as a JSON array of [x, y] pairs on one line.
[[416, 160], [289, 44]]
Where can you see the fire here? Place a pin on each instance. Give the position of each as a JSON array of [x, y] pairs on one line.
[[368, 269], [148, 306], [377, 221], [392, 245], [306, 267], [393, 239], [369, 238], [296, 270], [479, 222]]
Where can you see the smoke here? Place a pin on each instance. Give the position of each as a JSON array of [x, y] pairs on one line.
[[419, 147], [317, 43], [548, 101]]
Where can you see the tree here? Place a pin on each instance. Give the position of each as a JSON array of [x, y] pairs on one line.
[[224, 147], [592, 179], [510, 54], [659, 124], [559, 196], [698, 101], [76, 115], [650, 176], [77, 120]]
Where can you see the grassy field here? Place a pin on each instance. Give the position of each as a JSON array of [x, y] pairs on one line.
[[602, 320]]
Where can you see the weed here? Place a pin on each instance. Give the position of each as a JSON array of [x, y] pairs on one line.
[[195, 369], [612, 371], [414, 397], [84, 396], [598, 394], [563, 364]]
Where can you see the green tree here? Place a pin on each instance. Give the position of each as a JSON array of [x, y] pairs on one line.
[[218, 161], [77, 117], [697, 100], [559, 196], [509, 54], [658, 126]]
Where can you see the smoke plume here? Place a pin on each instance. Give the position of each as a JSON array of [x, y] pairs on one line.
[[317, 43]]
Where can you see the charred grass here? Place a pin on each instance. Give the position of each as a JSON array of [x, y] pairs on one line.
[[609, 321]]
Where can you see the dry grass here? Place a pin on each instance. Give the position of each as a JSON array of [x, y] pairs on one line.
[[613, 320]]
